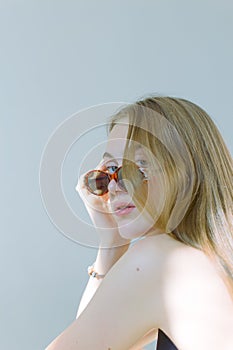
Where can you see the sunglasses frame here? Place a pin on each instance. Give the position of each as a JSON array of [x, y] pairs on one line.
[[113, 176]]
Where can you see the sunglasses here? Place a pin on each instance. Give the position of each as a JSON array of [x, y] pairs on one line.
[[97, 181]]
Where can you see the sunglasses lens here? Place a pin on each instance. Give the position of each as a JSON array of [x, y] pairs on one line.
[[97, 182], [137, 180]]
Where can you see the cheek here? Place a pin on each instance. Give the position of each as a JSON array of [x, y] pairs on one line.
[[156, 194]]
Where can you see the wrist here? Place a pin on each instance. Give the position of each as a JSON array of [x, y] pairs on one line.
[[93, 273]]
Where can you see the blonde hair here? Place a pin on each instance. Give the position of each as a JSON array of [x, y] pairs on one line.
[[196, 174]]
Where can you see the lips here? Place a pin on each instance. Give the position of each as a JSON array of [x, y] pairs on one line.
[[122, 205]]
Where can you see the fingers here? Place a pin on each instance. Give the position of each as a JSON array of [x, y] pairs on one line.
[[80, 187]]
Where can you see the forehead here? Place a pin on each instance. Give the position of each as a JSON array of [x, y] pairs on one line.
[[117, 139]]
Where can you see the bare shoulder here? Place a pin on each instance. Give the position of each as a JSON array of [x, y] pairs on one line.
[[177, 260], [196, 310], [170, 253], [185, 269]]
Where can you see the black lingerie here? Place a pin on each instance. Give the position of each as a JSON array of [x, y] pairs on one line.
[[164, 343]]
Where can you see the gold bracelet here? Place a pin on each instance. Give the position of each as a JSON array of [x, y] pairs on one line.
[[93, 273]]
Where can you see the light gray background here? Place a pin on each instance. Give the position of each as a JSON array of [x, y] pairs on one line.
[[56, 58]]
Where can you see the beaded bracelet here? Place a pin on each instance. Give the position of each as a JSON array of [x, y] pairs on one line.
[[93, 273]]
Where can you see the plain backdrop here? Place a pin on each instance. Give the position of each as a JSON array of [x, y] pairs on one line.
[[56, 58]]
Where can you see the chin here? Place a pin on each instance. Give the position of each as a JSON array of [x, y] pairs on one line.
[[134, 228]]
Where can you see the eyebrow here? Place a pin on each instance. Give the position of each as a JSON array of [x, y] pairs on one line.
[[108, 155]]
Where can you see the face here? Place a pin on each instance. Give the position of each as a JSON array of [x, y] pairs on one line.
[[131, 223]]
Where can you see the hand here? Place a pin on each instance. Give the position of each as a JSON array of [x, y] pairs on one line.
[[99, 211]]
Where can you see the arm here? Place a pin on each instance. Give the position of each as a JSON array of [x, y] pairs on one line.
[[112, 246], [111, 320], [106, 258]]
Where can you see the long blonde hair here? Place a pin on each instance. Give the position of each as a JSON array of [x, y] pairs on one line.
[[196, 176]]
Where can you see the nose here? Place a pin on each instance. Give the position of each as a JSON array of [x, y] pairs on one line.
[[113, 186]]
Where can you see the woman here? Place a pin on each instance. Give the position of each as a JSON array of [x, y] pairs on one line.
[[162, 203]]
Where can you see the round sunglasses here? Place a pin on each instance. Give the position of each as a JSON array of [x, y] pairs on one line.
[[97, 181]]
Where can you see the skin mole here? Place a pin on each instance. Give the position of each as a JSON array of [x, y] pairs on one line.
[[138, 269]]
